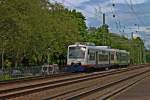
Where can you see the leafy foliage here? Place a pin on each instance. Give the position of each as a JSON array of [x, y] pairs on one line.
[[147, 58], [102, 36], [36, 31]]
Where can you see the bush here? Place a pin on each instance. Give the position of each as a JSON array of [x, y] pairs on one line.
[[5, 77]]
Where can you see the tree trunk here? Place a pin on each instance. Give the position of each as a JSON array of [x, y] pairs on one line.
[[3, 51], [17, 60]]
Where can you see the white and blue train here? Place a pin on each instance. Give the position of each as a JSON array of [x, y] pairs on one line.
[[85, 56]]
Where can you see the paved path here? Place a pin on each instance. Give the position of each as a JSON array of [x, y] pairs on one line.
[[140, 91]]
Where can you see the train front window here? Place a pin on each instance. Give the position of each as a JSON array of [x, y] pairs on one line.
[[77, 52]]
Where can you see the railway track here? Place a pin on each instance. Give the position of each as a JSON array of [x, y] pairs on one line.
[[109, 90], [103, 91], [33, 78], [20, 92]]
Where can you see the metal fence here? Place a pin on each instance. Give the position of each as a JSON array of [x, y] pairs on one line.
[[31, 71], [19, 72]]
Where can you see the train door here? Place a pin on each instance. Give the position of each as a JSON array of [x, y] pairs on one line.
[[96, 54], [91, 57], [109, 57]]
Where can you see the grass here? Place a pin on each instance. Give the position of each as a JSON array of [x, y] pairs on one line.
[[5, 77]]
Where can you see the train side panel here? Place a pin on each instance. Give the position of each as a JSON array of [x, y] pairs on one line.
[[91, 57], [103, 58], [95, 57], [122, 58]]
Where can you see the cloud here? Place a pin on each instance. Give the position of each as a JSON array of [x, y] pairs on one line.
[[135, 35], [134, 2], [145, 29], [76, 2], [89, 10], [93, 9], [72, 3]]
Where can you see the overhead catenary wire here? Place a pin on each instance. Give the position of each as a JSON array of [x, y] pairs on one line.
[[119, 26], [135, 14], [130, 5], [98, 11]]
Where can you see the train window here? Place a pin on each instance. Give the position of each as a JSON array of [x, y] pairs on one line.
[[124, 56], [77, 52], [103, 57], [112, 56], [118, 56], [100, 57], [103, 52], [91, 56]]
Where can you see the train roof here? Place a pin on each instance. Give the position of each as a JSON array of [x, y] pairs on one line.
[[124, 51], [107, 48], [92, 47]]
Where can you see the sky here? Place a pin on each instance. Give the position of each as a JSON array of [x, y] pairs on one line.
[[130, 15]]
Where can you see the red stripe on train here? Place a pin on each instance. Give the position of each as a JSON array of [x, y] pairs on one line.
[[85, 65]]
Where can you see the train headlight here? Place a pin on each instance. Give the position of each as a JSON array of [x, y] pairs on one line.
[[83, 48], [79, 63]]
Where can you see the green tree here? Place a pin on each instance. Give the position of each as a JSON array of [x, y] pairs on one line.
[[137, 51], [99, 36], [71, 28], [23, 28], [37, 29]]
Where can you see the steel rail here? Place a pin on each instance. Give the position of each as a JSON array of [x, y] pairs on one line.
[[112, 94], [15, 92], [97, 89], [25, 79], [111, 73]]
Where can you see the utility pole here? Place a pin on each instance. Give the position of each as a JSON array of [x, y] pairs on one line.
[[103, 18], [131, 44], [104, 37], [132, 36]]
